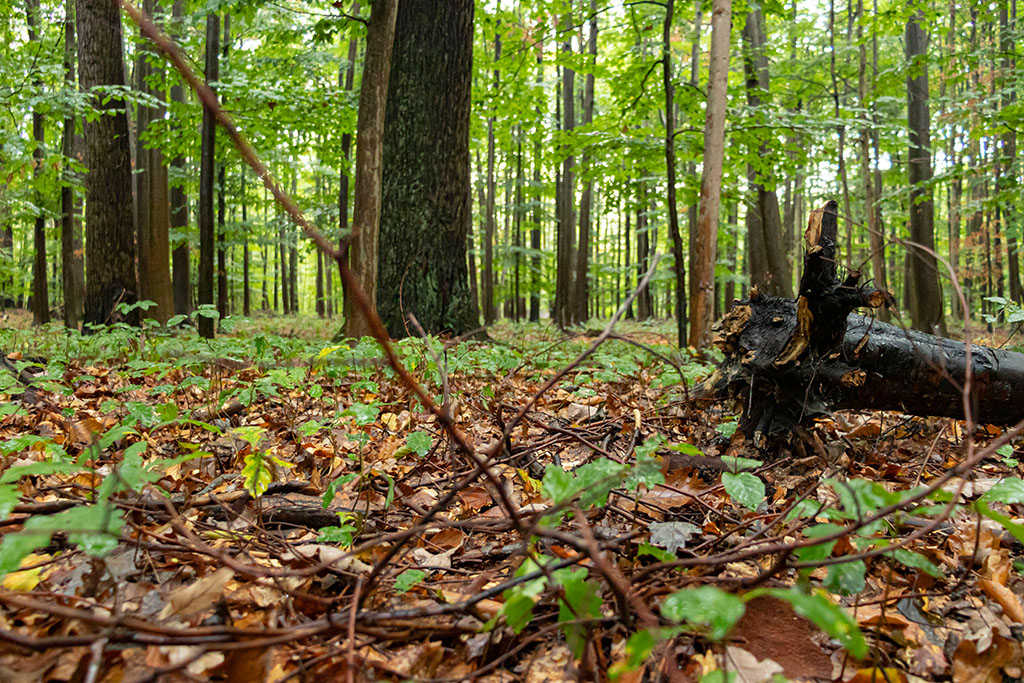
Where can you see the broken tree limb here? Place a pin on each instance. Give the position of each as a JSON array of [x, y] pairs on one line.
[[790, 361]]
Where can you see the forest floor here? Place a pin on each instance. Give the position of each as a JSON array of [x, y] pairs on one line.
[[270, 505]]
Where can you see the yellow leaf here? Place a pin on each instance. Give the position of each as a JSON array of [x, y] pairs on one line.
[[28, 579]]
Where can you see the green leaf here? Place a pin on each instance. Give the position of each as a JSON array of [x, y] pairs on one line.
[[364, 414], [1015, 529], [558, 485], [518, 611], [745, 488], [916, 561], [582, 599], [655, 552], [846, 578], [704, 606], [816, 553], [597, 479], [9, 497], [737, 464], [256, 474], [829, 617], [419, 443], [408, 579], [1008, 491]]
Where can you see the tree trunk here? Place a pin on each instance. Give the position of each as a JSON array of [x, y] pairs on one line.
[[769, 268], [73, 267], [581, 296], [789, 362], [702, 283], [926, 312], [679, 266], [366, 211], [182, 275], [536, 275], [566, 207], [487, 279], [346, 79], [426, 189], [222, 270], [207, 163], [110, 232], [246, 296], [40, 295], [875, 237]]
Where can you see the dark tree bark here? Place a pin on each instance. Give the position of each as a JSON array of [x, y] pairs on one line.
[[110, 230], [582, 294], [926, 303], [426, 201], [246, 295], [346, 79], [670, 165], [373, 98], [789, 362], [487, 278], [72, 263], [769, 269], [207, 163], [40, 294], [1008, 179], [181, 259], [535, 266], [222, 270], [566, 198]]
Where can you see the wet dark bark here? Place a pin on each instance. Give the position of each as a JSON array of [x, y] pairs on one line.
[[206, 169], [426, 213], [790, 361], [110, 228]]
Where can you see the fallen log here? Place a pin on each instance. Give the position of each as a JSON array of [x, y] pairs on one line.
[[790, 361]]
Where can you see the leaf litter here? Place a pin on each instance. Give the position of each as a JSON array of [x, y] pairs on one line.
[[272, 507]]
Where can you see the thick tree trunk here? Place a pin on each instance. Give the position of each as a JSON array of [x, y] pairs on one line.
[[207, 162], [110, 231], [346, 79], [373, 96], [426, 188], [702, 282]]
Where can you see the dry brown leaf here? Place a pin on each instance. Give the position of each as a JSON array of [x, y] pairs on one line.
[[198, 595], [1006, 599]]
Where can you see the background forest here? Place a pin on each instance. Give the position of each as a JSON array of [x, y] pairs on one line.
[[570, 170]]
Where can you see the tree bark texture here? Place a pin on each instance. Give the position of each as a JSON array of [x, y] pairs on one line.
[[702, 270], [581, 296], [565, 208], [769, 269], [72, 262], [40, 294], [426, 189], [110, 232], [670, 165], [487, 278], [790, 361], [926, 303], [207, 163], [180, 257], [373, 98]]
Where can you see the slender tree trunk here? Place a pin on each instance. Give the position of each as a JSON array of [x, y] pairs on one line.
[[346, 79], [566, 208], [222, 271], [40, 295], [926, 313], [875, 237], [207, 163], [670, 165], [643, 236], [182, 275], [535, 231], [1009, 139], [246, 295], [581, 296], [367, 203], [703, 266], [73, 268], [487, 282]]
